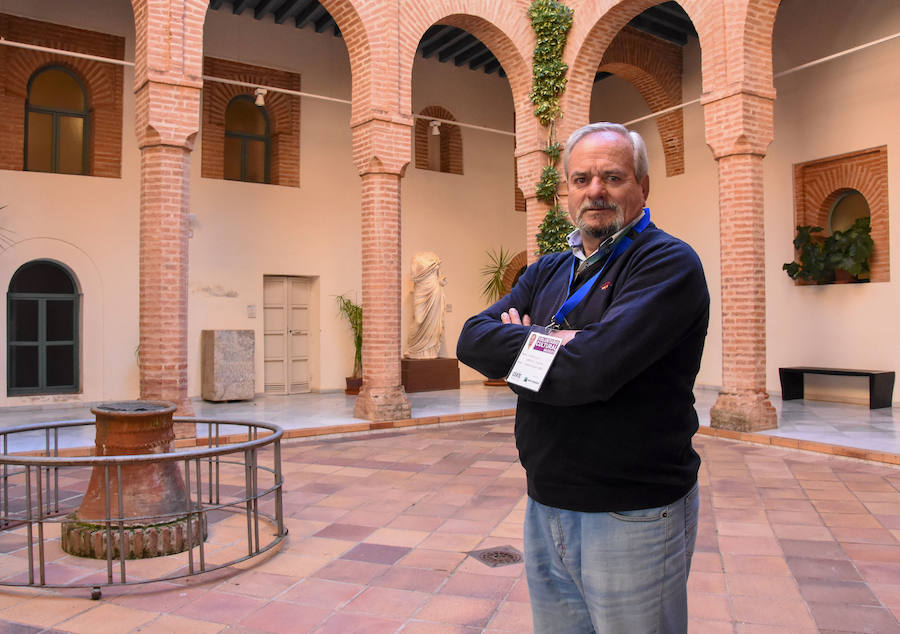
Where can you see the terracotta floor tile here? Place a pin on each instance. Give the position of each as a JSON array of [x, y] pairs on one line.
[[881, 573], [349, 532], [278, 616], [749, 545], [423, 627], [798, 518], [359, 624], [404, 578], [445, 560], [319, 547], [456, 542], [458, 610], [257, 584], [424, 523], [481, 586], [755, 565], [46, 611], [762, 586], [713, 607], [838, 592], [776, 611], [220, 607], [105, 618], [388, 602], [169, 623], [511, 617], [707, 582], [811, 548], [397, 537], [350, 571], [376, 553], [702, 626], [815, 568], [842, 617], [864, 535]]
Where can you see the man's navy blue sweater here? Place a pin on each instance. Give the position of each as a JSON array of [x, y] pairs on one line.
[[611, 427]]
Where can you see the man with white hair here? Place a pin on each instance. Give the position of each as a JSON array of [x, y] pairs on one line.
[[605, 412]]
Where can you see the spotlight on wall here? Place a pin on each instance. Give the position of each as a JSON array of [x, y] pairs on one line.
[[260, 97], [435, 127]]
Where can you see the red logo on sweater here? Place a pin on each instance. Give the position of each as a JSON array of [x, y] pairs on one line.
[[605, 286]]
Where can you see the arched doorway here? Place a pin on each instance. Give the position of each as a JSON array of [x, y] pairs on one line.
[[42, 330]]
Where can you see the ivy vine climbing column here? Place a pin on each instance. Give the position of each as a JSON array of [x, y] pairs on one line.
[[551, 21]]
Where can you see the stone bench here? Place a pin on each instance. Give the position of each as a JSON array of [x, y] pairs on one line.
[[881, 383]]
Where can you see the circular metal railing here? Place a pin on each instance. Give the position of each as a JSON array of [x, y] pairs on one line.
[[43, 467]]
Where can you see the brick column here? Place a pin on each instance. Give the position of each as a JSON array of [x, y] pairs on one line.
[[167, 86], [164, 274], [381, 152], [739, 129]]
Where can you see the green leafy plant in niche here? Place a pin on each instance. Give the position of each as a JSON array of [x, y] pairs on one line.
[[819, 258], [551, 21]]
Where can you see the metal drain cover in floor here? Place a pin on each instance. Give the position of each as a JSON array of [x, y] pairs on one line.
[[499, 556]]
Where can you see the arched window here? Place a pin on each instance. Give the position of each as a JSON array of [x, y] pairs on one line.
[[438, 144], [42, 330], [246, 141], [56, 116]]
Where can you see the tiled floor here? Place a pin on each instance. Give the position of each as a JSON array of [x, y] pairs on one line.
[[380, 526]]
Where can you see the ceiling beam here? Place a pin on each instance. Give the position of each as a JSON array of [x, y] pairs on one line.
[[238, 6], [648, 25], [286, 10], [491, 66], [476, 62], [264, 8], [463, 55], [323, 22], [301, 18], [452, 49], [452, 35], [216, 4]]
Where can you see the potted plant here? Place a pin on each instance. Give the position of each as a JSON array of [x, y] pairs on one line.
[[849, 251], [844, 255], [352, 312], [813, 264]]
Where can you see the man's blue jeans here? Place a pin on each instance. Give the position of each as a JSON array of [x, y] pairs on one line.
[[610, 572]]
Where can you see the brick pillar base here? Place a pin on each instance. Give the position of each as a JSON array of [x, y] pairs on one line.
[[386, 403], [382, 396], [743, 412]]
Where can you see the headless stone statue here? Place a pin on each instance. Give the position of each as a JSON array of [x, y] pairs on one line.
[[427, 326]]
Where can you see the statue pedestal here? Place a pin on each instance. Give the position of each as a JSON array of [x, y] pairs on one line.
[[422, 375]]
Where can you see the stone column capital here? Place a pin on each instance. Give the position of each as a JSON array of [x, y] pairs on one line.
[[167, 112], [738, 122], [382, 144]]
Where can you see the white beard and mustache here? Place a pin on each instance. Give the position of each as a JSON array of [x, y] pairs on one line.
[[601, 233]]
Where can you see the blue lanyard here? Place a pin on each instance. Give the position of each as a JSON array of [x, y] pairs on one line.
[[576, 297]]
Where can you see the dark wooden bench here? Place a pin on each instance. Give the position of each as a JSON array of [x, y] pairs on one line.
[[881, 383]]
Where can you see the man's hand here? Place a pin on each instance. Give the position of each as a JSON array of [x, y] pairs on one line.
[[512, 317]]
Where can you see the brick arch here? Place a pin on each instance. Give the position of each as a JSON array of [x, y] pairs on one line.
[[451, 154], [511, 273], [596, 26], [503, 27], [102, 83], [654, 68], [371, 90], [750, 33]]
